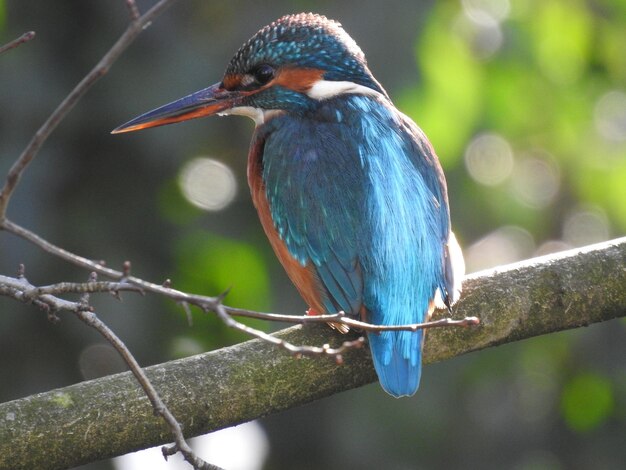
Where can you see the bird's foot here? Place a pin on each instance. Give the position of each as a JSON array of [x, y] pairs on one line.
[[340, 327]]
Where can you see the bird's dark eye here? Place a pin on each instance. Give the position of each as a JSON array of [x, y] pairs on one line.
[[263, 73]]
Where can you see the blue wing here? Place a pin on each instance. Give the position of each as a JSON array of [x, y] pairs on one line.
[[356, 191], [315, 195], [409, 221]]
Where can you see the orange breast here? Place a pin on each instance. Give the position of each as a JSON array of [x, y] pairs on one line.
[[303, 277]]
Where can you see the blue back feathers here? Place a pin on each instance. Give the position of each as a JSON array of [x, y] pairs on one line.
[[354, 189]]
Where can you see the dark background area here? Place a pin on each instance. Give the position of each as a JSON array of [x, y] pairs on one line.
[[525, 103]]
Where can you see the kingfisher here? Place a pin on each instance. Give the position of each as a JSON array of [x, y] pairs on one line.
[[349, 190]]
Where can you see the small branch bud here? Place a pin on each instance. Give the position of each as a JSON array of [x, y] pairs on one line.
[[223, 295], [126, 268], [133, 10], [187, 310], [16, 42]]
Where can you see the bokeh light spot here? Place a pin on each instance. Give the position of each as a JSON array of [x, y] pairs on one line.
[[536, 181], [243, 447], [505, 245], [551, 246], [184, 346], [207, 183], [486, 12], [587, 400], [610, 116], [489, 159], [585, 226], [485, 40]]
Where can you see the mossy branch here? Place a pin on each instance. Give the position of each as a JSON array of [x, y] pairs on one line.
[[112, 416]]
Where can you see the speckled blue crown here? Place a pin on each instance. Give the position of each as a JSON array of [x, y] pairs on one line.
[[306, 40]]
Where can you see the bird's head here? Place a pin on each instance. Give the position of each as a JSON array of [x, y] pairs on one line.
[[288, 66]]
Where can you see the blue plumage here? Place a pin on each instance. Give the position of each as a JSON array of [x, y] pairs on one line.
[[348, 189], [353, 199]]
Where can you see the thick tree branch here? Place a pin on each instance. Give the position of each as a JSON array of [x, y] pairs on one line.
[[20, 289], [111, 416]]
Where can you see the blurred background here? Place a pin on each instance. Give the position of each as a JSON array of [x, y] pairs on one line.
[[525, 103]]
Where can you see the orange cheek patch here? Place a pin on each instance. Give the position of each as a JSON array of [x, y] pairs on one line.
[[300, 80], [231, 82]]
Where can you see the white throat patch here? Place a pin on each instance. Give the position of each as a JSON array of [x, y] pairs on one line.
[[325, 89], [259, 116]]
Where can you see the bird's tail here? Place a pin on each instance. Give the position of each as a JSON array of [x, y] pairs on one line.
[[397, 358]]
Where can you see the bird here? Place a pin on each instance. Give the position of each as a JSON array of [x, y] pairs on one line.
[[348, 189]]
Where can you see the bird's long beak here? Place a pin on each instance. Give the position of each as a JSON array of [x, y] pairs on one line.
[[205, 102]]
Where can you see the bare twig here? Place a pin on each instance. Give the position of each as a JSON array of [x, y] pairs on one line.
[[134, 29], [22, 290], [81, 288], [211, 303], [132, 9], [43, 297], [297, 351], [16, 42], [89, 317], [99, 267], [204, 302], [342, 319], [444, 322]]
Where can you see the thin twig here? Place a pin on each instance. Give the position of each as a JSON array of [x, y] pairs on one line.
[[211, 303], [159, 407], [103, 66], [100, 268], [16, 42], [296, 351], [17, 288], [81, 288], [132, 9], [22, 290], [43, 296], [214, 304], [342, 319], [444, 322]]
